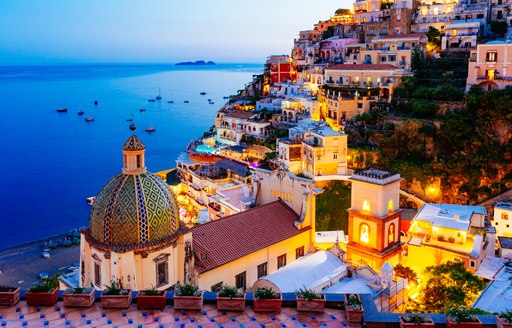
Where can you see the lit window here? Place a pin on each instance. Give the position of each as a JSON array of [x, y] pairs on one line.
[[504, 216], [364, 233], [491, 56], [366, 206], [391, 233]]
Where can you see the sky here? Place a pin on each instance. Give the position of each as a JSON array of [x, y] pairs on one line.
[[94, 31]]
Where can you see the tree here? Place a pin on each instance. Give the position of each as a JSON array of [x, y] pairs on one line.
[[342, 12], [499, 28], [418, 60], [406, 272], [329, 32], [448, 285]]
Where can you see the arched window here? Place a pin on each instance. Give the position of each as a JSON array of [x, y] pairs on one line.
[[364, 233], [391, 233]]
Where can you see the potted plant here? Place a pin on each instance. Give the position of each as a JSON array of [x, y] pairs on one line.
[[187, 297], [265, 299], [44, 293], [78, 297], [151, 299], [230, 298], [308, 300], [412, 320], [354, 308], [9, 295], [504, 319], [114, 296], [462, 317]]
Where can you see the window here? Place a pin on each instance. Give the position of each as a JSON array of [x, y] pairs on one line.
[[364, 233], [162, 273], [281, 261], [335, 156], [262, 270], [491, 56], [504, 216], [299, 252], [370, 32], [384, 31], [162, 269], [97, 274], [454, 32], [472, 264], [240, 280], [216, 287], [391, 233], [138, 161]]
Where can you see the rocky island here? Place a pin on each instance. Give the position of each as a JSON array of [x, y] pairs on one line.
[[197, 62]]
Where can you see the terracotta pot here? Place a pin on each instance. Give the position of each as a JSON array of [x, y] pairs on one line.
[[501, 324], [315, 305], [151, 301], [45, 299], [188, 302], [116, 301], [413, 325], [10, 298], [352, 314], [268, 305], [78, 300], [230, 304], [453, 324]]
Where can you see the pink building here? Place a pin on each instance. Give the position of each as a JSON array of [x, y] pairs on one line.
[[490, 66]]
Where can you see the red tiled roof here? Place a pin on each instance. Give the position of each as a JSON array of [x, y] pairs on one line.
[[241, 234], [362, 67]]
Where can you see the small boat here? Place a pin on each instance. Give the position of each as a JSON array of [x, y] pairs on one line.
[[46, 255], [203, 93], [186, 101], [158, 97], [90, 200], [226, 97], [129, 120], [150, 129], [96, 103], [62, 110], [43, 275], [151, 100], [142, 110], [80, 112], [211, 103], [170, 102], [89, 119], [209, 99]]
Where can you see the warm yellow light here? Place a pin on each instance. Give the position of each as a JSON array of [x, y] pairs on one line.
[[435, 229], [366, 206]]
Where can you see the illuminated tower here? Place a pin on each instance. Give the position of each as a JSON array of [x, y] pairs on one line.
[[374, 219]]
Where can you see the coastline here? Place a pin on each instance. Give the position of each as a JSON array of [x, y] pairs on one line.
[[20, 265]]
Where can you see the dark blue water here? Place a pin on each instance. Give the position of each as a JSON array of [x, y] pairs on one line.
[[50, 162]]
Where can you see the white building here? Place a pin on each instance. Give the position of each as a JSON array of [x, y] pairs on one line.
[[502, 219]]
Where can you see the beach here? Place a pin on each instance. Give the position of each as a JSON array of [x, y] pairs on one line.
[[20, 265]]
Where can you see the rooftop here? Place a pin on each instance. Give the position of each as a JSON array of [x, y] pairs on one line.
[[240, 114], [504, 205], [228, 239], [497, 296], [60, 316], [449, 215], [376, 176]]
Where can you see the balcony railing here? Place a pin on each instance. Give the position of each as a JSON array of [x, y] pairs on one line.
[[461, 34]]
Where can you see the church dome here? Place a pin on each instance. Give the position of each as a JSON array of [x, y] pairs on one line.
[[136, 206]]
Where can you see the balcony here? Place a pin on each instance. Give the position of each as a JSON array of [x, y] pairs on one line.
[[449, 35]]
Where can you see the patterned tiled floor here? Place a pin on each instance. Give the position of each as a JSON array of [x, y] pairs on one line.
[[22, 315]]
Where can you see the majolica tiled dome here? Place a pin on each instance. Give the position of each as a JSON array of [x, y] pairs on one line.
[[134, 207]]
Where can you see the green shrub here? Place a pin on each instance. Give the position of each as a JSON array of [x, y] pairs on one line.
[[308, 294], [230, 291], [265, 293], [186, 290]]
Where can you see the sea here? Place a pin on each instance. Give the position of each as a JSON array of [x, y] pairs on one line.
[[51, 162]]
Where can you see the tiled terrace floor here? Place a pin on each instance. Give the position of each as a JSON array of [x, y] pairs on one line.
[[22, 315]]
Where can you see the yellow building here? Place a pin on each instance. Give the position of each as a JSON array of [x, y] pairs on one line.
[[374, 219], [448, 232], [315, 150]]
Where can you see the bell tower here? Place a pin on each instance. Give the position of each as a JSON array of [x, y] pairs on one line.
[[374, 219]]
